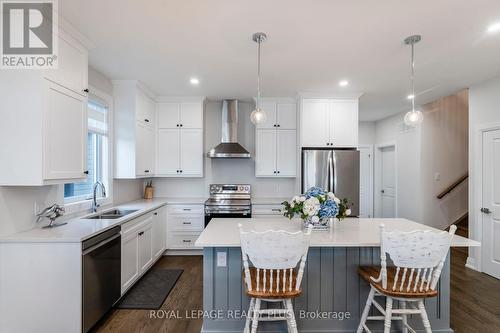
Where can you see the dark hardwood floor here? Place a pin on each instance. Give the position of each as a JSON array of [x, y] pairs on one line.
[[475, 301]]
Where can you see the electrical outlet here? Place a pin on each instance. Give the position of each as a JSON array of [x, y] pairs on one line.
[[437, 176], [221, 259]]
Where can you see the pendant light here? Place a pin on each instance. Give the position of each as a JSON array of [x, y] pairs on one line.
[[258, 115], [413, 117]]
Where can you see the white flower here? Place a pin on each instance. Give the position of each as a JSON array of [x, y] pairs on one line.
[[331, 195], [348, 212], [302, 199], [311, 206], [295, 199], [292, 205], [315, 219], [337, 200]]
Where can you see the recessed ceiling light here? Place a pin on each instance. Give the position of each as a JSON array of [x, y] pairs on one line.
[[194, 81], [410, 96], [343, 83], [495, 27]]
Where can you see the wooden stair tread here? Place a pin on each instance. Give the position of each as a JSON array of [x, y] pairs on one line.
[[374, 271], [272, 294]]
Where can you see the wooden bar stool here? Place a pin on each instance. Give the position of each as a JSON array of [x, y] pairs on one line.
[[274, 276], [418, 257]]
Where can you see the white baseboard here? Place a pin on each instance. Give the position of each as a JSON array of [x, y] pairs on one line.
[[471, 263]]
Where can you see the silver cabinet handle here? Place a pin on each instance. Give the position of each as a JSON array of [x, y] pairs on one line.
[[276, 210], [485, 210], [186, 222], [186, 241], [187, 209]]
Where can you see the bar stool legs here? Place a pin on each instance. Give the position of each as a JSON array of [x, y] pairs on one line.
[[388, 315], [291, 317], [402, 304], [366, 311], [425, 319], [255, 319], [249, 316]]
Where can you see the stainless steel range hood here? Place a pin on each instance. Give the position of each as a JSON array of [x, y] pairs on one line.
[[229, 146]]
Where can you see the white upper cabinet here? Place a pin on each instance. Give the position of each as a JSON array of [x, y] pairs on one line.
[[72, 68], [180, 114], [135, 130], [44, 126], [329, 122], [276, 140], [180, 137]]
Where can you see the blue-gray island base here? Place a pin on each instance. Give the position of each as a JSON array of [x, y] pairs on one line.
[[333, 294]]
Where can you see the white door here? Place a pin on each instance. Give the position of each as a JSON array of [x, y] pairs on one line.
[[191, 115], [168, 115], [65, 133], [168, 152], [265, 152], [388, 182], [159, 224], [270, 110], [286, 152], [191, 145], [146, 245], [343, 122], [315, 122], [491, 203], [286, 116], [130, 261], [366, 181]]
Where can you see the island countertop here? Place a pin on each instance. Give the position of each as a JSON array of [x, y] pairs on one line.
[[351, 232]]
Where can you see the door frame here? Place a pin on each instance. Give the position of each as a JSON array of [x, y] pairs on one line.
[[475, 258], [378, 176], [370, 148]]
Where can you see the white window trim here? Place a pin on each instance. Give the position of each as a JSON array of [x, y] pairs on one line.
[[74, 207]]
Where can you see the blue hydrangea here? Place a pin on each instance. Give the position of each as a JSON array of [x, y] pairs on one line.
[[314, 192], [329, 208]]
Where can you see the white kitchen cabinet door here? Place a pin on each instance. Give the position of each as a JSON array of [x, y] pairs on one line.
[[270, 109], [265, 152], [286, 116], [344, 123], [145, 245], [145, 109], [145, 150], [286, 152], [130, 259], [168, 115], [64, 133], [72, 67], [191, 115], [149, 151], [191, 152], [315, 123], [159, 231], [168, 152]]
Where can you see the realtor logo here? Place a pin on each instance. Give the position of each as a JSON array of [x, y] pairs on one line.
[[28, 34]]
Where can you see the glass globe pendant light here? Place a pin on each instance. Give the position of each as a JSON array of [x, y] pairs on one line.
[[258, 116], [413, 117]]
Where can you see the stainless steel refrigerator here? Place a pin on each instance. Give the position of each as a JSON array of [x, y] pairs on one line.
[[335, 170]]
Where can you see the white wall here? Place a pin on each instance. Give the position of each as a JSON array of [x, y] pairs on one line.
[[366, 133], [17, 204], [388, 131], [484, 110], [227, 170]]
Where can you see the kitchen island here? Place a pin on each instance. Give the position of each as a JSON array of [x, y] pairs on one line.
[[333, 295]]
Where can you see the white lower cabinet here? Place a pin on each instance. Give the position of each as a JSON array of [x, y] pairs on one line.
[[143, 242], [184, 225], [267, 210]]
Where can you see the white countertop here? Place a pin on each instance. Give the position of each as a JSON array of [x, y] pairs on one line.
[[351, 232], [79, 229]]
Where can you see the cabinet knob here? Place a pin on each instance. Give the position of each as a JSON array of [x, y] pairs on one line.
[[141, 233], [146, 120], [274, 125], [278, 171], [180, 171], [180, 125], [274, 171], [86, 90], [86, 172], [146, 171], [278, 125], [155, 213], [328, 143], [177, 125]]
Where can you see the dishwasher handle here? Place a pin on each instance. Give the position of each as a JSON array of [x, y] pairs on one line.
[[98, 245]]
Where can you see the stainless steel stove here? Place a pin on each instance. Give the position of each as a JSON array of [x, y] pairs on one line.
[[228, 200]]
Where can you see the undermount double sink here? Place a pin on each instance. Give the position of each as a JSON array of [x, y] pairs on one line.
[[112, 214]]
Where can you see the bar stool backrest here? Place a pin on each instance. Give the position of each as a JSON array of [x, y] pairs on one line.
[[418, 257], [275, 250]]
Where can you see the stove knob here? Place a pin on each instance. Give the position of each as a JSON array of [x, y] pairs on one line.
[[246, 188], [240, 188]]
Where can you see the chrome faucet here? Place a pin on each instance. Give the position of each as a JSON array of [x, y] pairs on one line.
[[94, 195]]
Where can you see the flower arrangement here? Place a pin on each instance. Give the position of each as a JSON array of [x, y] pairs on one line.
[[316, 205]]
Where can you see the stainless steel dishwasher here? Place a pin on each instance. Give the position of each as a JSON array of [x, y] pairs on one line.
[[101, 263]]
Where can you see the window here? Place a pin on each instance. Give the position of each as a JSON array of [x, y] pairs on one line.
[[97, 153]]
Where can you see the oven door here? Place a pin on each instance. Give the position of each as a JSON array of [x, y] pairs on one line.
[[212, 215]]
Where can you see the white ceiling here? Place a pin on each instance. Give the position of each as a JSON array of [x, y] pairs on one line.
[[311, 46]]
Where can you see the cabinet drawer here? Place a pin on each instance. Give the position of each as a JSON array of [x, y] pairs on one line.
[[135, 223], [266, 210], [182, 240], [183, 222], [185, 209]]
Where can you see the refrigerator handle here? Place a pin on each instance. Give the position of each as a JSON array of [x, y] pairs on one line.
[[331, 171]]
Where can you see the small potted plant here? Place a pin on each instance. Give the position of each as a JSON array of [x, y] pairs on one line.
[[317, 207]]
